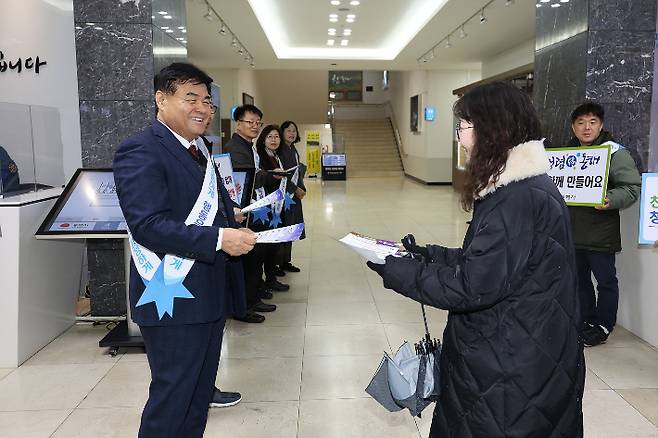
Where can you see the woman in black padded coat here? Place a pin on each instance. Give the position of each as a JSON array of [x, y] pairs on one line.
[[512, 363]]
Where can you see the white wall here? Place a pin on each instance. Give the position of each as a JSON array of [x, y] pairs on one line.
[[227, 81], [31, 28], [428, 154], [374, 79], [636, 266], [518, 56]]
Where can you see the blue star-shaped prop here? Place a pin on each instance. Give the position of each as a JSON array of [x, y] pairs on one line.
[[289, 201], [261, 214], [162, 294], [276, 219]]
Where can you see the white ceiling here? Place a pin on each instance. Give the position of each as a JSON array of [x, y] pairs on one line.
[[376, 21]]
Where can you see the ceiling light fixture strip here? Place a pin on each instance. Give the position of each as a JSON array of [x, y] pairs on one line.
[[235, 41], [428, 55]]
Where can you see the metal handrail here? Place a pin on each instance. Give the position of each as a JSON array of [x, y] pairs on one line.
[[396, 132]]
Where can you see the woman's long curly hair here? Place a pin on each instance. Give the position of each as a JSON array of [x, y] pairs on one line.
[[502, 117]]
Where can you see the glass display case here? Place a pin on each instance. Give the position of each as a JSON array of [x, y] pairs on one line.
[[31, 150]]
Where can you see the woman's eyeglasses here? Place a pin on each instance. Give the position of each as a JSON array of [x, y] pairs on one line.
[[459, 129]]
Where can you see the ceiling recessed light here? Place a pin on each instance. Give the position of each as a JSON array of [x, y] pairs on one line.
[[163, 12], [333, 19], [167, 17], [335, 2], [555, 5], [180, 39], [183, 31], [351, 16], [333, 15], [184, 41], [349, 20], [169, 30], [347, 32], [355, 2], [331, 30], [164, 27], [181, 27], [98, 28], [564, 1], [330, 42], [539, 5], [545, 1], [344, 42]]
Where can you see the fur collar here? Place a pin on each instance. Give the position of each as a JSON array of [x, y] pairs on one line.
[[524, 161]]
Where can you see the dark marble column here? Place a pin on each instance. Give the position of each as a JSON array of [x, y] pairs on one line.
[[601, 50], [118, 43]]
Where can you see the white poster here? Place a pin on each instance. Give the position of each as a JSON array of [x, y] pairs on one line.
[[225, 168], [580, 173], [649, 209]]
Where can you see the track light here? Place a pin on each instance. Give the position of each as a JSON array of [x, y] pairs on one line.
[[234, 42], [509, 2], [483, 19], [208, 16], [448, 44], [462, 32], [240, 50], [222, 30]]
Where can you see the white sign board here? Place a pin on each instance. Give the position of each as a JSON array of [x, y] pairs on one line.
[[225, 168], [580, 173], [649, 209]]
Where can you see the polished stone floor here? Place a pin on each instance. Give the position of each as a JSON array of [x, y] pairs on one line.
[[302, 373]]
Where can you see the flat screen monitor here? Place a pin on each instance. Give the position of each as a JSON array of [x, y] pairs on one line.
[[331, 160], [88, 207]]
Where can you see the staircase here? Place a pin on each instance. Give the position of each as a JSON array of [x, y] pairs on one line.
[[370, 147]]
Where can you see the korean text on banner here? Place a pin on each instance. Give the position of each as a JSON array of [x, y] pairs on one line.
[[313, 152], [225, 168], [580, 173], [649, 209]]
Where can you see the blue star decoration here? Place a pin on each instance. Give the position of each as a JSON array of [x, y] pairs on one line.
[[289, 201], [162, 294], [276, 219], [261, 214]]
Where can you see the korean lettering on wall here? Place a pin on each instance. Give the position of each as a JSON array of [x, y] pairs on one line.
[[580, 173], [649, 209], [18, 64]]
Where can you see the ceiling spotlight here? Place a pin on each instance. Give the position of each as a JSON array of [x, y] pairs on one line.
[[462, 32], [208, 16], [252, 65], [483, 19], [330, 42], [333, 19], [222, 30], [351, 16], [355, 2], [169, 31], [335, 2], [184, 41], [509, 2], [331, 31], [344, 42], [164, 27], [333, 15], [347, 32], [247, 57], [544, 1], [350, 20], [555, 5], [167, 17], [424, 59], [538, 5], [163, 12], [234, 42], [183, 31], [240, 50], [564, 1], [181, 27], [448, 44], [180, 39]]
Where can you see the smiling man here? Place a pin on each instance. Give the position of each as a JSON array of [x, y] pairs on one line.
[[185, 275], [596, 232]]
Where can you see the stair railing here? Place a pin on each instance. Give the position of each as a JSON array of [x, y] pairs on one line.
[[396, 132]]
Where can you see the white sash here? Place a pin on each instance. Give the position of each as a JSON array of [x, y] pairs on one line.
[[202, 214]]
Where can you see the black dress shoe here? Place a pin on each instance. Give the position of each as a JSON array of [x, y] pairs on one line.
[[280, 272], [265, 294], [251, 317], [277, 286], [289, 267], [224, 399], [263, 307]]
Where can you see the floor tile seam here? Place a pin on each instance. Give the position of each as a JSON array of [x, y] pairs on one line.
[[636, 409], [13, 411], [62, 423], [589, 370], [262, 357], [112, 360], [301, 377]]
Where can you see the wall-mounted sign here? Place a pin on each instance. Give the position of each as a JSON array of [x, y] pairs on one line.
[[649, 209], [430, 113], [18, 65]]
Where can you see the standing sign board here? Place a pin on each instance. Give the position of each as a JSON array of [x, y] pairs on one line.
[[580, 173], [649, 209], [312, 152]]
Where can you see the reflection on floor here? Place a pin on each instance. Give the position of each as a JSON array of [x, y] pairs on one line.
[[302, 373]]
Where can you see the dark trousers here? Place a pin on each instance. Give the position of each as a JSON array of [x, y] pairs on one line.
[[183, 361], [601, 310], [284, 255], [270, 260], [252, 264]]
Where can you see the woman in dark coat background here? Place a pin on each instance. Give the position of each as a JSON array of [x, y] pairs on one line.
[[295, 190], [512, 362]]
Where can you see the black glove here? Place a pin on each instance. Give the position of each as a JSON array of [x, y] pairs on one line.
[[409, 243], [377, 268]]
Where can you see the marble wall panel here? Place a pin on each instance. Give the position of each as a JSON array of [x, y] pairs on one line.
[[112, 11], [107, 282], [634, 15], [560, 73], [620, 66], [115, 61], [629, 123], [107, 124], [559, 24], [556, 126]]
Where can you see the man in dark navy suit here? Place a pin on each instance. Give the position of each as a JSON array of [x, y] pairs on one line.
[[161, 178]]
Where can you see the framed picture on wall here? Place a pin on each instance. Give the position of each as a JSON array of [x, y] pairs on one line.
[[414, 115], [247, 99]]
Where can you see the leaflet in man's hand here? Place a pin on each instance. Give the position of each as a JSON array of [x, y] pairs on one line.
[[375, 250], [278, 235]]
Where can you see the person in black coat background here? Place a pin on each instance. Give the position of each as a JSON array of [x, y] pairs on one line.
[[295, 189], [512, 362]]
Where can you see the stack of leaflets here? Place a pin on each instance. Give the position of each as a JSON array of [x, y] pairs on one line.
[[375, 250]]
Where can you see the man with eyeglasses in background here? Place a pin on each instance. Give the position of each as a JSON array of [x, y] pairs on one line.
[[243, 155]]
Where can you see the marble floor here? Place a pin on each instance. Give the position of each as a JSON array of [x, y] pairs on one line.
[[302, 373]]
